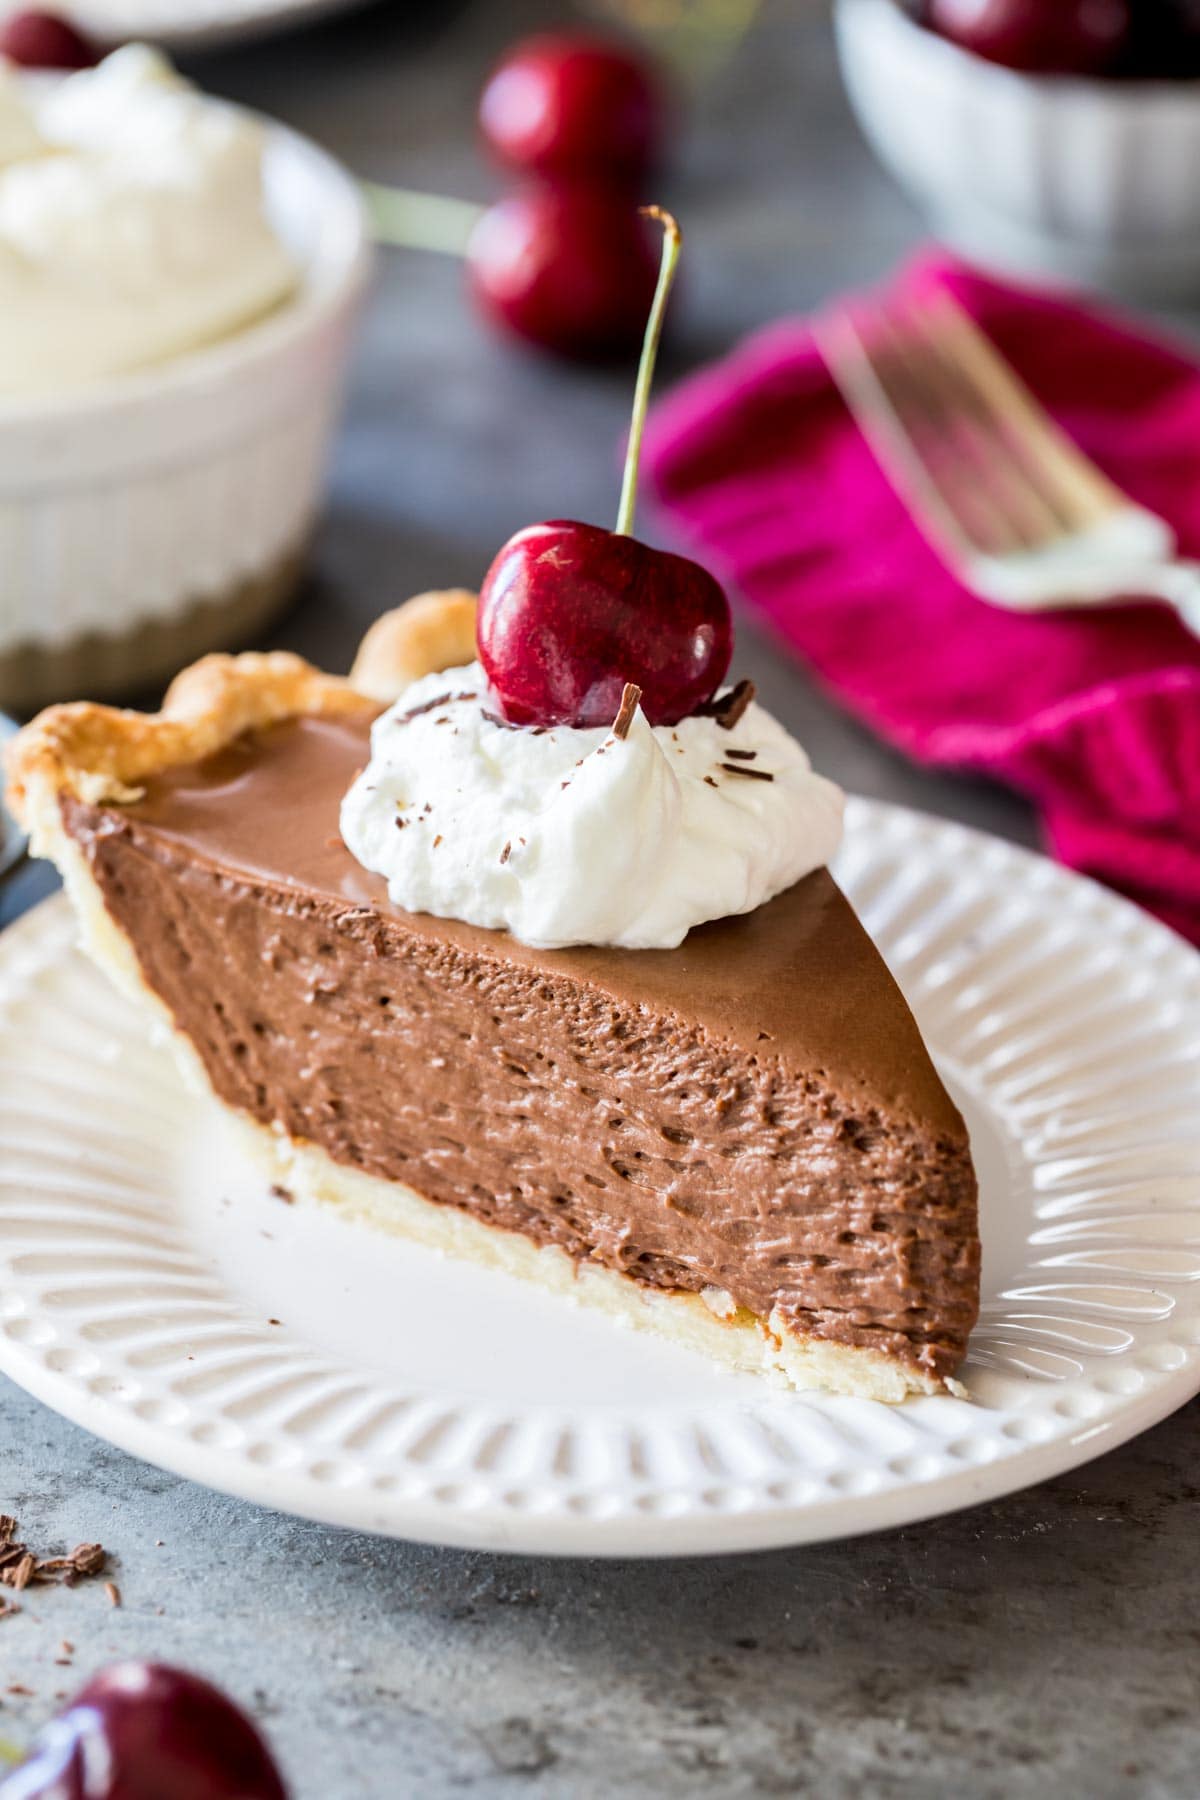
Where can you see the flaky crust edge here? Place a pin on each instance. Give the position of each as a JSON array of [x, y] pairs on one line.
[[101, 754]]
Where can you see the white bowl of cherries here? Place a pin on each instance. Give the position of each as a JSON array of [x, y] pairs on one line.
[[1051, 138]]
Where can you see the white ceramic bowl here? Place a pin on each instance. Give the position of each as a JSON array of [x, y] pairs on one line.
[[1090, 182], [188, 25], [152, 516]]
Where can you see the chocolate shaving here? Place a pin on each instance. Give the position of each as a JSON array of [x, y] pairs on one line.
[[21, 1573], [281, 1193], [742, 755], [21, 1568], [428, 706], [630, 695], [711, 782], [113, 1592], [506, 852], [751, 774], [728, 708], [507, 725]]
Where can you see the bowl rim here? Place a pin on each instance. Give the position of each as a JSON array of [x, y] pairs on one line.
[[321, 295], [1118, 90]]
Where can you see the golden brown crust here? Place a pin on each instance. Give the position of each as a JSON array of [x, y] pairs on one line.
[[103, 753], [430, 631]]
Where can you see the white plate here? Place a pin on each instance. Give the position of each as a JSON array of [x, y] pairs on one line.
[[189, 24], [142, 1267]]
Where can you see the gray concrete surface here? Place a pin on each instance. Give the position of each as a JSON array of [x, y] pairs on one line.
[[1044, 1645]]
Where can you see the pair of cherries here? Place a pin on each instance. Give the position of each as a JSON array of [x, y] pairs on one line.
[[565, 261], [1075, 37]]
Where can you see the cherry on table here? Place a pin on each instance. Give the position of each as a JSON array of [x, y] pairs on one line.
[[568, 612], [570, 103], [1065, 37], [568, 266], [45, 40], [143, 1731]]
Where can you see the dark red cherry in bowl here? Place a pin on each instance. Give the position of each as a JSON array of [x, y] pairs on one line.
[[1059, 37], [569, 613], [44, 40], [569, 266], [570, 103], [144, 1731]]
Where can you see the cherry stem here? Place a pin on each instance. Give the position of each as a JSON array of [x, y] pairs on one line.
[[672, 244], [407, 220]]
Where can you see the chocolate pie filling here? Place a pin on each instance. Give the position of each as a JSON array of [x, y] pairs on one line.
[[754, 1111]]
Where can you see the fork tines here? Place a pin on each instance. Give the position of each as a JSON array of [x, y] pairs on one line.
[[983, 468]]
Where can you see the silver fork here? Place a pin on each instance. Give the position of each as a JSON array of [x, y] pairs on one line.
[[1001, 493]]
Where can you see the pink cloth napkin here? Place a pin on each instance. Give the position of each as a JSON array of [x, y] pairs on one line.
[[1094, 714]]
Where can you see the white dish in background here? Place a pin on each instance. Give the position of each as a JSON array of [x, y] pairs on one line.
[[149, 516], [143, 1267], [185, 25], [1086, 181]]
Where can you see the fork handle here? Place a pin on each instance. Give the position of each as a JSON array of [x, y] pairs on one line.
[[1178, 583]]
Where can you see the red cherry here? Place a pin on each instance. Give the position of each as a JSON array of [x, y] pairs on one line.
[[571, 104], [1066, 37], [43, 40], [143, 1731], [569, 613], [568, 266]]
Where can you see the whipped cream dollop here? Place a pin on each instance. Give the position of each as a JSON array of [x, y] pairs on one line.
[[132, 226], [565, 836]]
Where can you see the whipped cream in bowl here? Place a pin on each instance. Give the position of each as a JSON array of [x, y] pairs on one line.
[[133, 226], [570, 836], [179, 285]]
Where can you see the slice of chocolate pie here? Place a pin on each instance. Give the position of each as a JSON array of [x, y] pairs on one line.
[[740, 1141]]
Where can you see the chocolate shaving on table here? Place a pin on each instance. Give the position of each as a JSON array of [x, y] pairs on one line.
[[21, 1573], [728, 708], [113, 1592], [631, 693], [751, 774], [20, 1567]]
